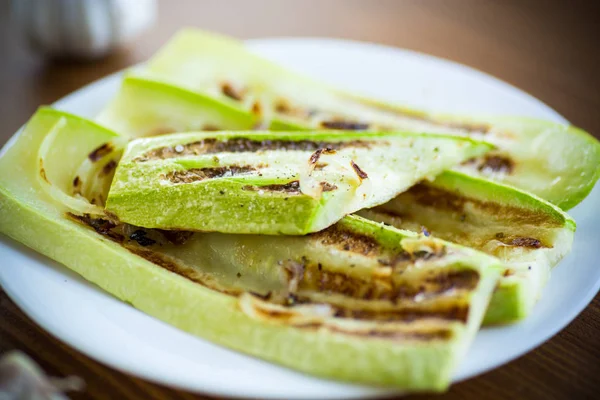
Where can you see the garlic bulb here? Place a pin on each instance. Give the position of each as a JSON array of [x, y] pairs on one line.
[[82, 28]]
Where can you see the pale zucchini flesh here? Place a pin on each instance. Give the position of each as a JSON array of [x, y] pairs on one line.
[[559, 163], [272, 182], [525, 232], [409, 315]]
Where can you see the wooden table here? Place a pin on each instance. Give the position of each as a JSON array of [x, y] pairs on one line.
[[549, 50]]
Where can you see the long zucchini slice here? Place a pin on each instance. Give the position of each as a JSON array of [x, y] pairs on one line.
[[359, 301], [556, 162], [272, 182], [527, 233]]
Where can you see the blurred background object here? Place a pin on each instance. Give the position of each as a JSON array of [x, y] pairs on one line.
[[22, 379], [81, 29]]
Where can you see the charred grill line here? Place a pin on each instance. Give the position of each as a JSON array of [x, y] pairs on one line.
[[345, 125], [245, 145], [389, 289], [292, 187], [108, 167], [433, 197], [317, 154], [497, 163], [493, 163], [287, 315], [526, 242], [359, 172], [231, 92], [348, 240], [140, 236], [327, 187], [405, 314], [101, 151], [434, 334], [200, 174]]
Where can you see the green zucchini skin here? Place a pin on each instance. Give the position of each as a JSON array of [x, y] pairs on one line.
[[199, 297]]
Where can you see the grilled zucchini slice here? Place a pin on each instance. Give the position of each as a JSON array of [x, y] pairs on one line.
[[272, 182], [557, 162], [359, 302], [527, 233]]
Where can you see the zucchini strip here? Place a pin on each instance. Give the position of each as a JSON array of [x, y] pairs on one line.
[[413, 308], [272, 182], [556, 162], [527, 233]]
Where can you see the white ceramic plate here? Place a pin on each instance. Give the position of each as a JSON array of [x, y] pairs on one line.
[[114, 333]]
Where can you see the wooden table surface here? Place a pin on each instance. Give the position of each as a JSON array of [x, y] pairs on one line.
[[547, 48]]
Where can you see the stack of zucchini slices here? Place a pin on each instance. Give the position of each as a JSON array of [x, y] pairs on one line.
[[336, 235]]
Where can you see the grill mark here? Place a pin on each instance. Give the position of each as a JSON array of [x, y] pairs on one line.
[[242, 145], [497, 163], [434, 334], [210, 128], [492, 163], [433, 197], [345, 125], [228, 90], [314, 157], [405, 314], [108, 168], [526, 242], [421, 116], [100, 152], [105, 228], [141, 237], [257, 109], [348, 240], [200, 174], [322, 281], [359, 172], [288, 316], [102, 226], [292, 187], [327, 187], [283, 106]]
